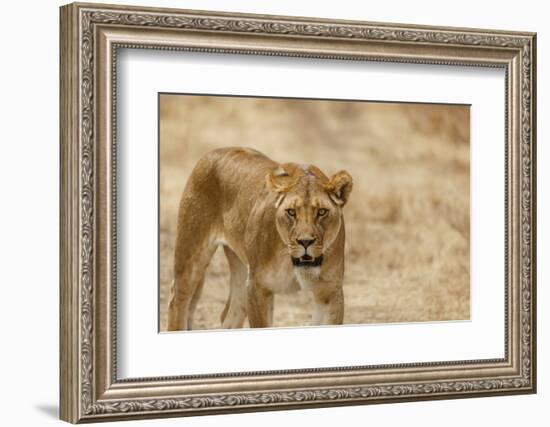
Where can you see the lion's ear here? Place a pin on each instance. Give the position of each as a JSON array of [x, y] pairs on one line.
[[339, 187], [278, 180]]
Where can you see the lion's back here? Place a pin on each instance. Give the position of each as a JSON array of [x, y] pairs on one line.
[[235, 168], [226, 179]]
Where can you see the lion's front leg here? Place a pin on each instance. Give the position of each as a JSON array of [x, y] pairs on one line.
[[260, 306], [329, 304]]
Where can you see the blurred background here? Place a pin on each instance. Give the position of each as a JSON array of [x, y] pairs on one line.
[[408, 218]]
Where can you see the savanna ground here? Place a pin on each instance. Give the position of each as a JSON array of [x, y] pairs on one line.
[[408, 218]]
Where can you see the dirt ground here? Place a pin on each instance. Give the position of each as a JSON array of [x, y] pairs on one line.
[[408, 218]]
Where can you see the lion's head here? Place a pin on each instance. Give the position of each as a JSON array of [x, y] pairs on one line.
[[308, 209]]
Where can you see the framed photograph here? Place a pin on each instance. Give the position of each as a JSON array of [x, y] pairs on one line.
[[266, 212]]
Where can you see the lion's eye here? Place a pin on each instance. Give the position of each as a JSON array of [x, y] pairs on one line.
[[322, 212], [291, 213]]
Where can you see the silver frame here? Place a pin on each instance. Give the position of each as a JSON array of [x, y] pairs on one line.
[[90, 37]]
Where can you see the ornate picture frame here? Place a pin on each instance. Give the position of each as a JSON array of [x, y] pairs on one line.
[[91, 34]]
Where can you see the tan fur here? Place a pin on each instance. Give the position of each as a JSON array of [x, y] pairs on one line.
[[263, 213]]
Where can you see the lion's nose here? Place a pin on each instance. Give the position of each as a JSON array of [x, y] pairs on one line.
[[306, 242]]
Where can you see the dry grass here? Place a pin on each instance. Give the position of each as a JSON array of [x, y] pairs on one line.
[[408, 219]]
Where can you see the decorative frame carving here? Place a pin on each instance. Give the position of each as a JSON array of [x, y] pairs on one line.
[[90, 36]]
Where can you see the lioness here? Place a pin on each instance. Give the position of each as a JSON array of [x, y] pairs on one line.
[[281, 227]]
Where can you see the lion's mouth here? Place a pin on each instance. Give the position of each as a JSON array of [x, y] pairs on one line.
[[307, 261]]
